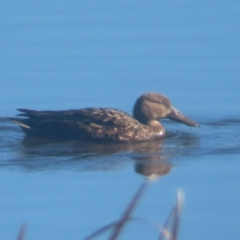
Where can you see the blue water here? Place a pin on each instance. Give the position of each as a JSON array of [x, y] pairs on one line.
[[75, 54]]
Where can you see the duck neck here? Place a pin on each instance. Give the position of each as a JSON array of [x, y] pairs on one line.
[[155, 125]]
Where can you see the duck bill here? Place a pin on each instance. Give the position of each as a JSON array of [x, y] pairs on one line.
[[175, 115]]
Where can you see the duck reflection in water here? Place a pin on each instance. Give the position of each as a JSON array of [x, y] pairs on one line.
[[156, 164], [152, 157]]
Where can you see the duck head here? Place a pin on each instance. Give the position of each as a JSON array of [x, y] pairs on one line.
[[150, 107]]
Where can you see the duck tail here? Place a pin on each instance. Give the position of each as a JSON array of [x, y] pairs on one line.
[[19, 122]]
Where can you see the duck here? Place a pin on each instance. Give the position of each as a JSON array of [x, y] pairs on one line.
[[103, 124]]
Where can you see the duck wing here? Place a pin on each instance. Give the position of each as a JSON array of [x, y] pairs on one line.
[[89, 124], [101, 116]]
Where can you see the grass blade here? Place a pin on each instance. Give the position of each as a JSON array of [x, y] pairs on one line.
[[171, 227], [22, 232], [127, 213]]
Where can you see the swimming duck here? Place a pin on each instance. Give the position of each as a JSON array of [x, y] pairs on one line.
[[103, 124]]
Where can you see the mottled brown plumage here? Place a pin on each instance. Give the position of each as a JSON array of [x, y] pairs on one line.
[[103, 124]]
